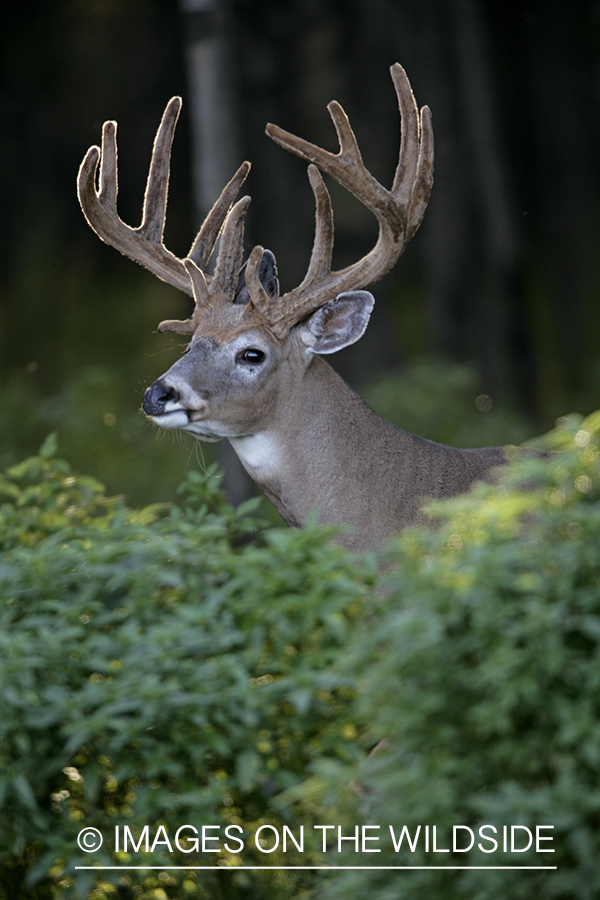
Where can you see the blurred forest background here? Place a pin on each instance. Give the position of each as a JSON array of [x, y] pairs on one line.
[[487, 329]]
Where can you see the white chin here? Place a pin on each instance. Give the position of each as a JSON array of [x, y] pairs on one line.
[[178, 420], [175, 419], [203, 435]]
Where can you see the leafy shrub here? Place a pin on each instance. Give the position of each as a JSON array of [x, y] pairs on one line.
[[482, 675], [157, 668], [181, 664]]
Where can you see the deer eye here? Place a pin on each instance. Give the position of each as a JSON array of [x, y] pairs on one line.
[[251, 355]]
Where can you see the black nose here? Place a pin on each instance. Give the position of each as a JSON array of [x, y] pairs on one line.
[[156, 398]]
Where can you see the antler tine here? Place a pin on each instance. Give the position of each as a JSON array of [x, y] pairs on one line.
[[206, 238], [320, 259], [144, 244], [201, 298], [99, 207], [259, 298], [227, 269], [157, 185], [346, 166], [423, 181], [399, 211], [231, 250], [277, 314], [406, 169]]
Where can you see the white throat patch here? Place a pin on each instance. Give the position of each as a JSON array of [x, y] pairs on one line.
[[258, 453]]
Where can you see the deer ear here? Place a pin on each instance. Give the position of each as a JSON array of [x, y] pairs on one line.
[[339, 323]]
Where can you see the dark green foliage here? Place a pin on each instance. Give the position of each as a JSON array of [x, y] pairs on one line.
[[487, 653], [182, 664], [101, 430], [443, 401], [156, 668]]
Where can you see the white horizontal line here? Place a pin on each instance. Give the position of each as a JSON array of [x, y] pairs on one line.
[[238, 868]]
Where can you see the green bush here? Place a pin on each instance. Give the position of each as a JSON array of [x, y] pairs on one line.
[[182, 664], [481, 674], [157, 667]]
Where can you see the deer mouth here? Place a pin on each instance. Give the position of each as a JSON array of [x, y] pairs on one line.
[[176, 418], [162, 405], [180, 420]]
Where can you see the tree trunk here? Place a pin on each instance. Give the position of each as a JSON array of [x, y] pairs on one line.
[[214, 150]]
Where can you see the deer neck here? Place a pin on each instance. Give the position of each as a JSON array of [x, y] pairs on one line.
[[315, 452]]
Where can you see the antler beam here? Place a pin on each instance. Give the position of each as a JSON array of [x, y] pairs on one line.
[[399, 212]]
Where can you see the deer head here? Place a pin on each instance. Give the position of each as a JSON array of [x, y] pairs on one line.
[[248, 342]]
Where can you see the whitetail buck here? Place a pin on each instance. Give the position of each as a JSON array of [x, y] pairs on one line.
[[253, 371]]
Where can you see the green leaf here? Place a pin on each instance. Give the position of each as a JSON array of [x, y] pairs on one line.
[[50, 446]]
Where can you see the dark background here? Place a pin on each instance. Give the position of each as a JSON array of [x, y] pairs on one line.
[[496, 299]]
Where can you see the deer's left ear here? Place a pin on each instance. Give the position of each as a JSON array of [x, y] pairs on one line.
[[339, 323]]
